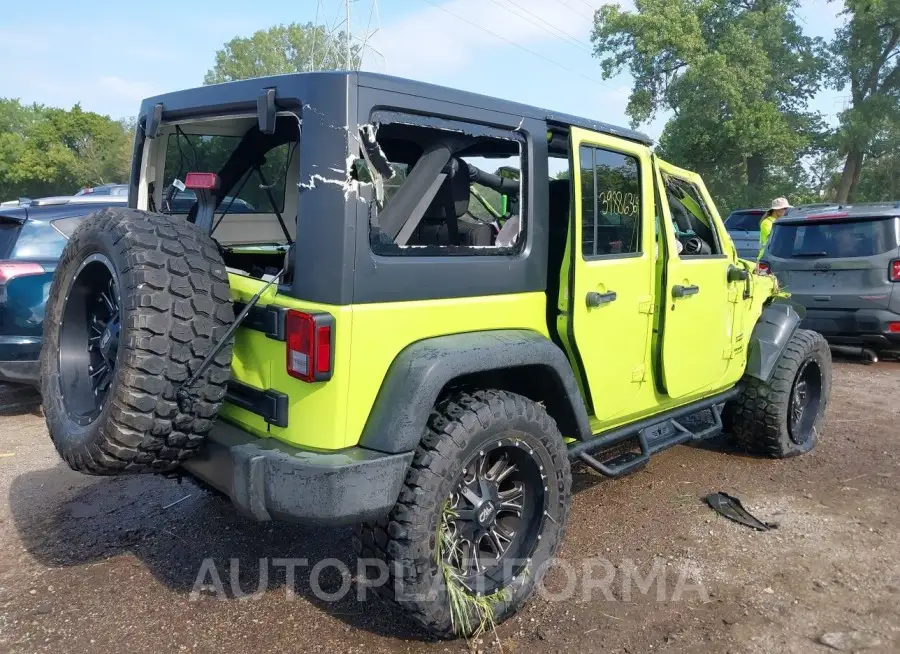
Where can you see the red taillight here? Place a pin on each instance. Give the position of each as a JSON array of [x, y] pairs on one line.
[[894, 327], [310, 344], [763, 268], [894, 273], [10, 270], [202, 181]]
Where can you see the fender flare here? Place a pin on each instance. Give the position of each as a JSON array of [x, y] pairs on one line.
[[422, 370], [771, 335]]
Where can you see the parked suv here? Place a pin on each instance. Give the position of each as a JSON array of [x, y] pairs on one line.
[[385, 354], [843, 265], [32, 237], [743, 228]]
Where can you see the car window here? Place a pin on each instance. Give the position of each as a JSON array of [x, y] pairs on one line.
[[745, 220], [857, 238], [610, 203], [9, 229], [38, 241]]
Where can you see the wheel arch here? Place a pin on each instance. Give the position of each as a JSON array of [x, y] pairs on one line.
[[771, 334], [519, 361]]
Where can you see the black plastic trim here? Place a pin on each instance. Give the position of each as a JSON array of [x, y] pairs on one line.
[[268, 319], [773, 331], [270, 480], [421, 371], [272, 405]]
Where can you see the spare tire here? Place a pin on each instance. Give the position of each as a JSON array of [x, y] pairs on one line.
[[138, 300]]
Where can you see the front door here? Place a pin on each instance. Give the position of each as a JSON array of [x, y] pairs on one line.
[[611, 294], [697, 341]]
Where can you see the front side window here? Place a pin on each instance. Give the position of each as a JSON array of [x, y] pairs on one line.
[[692, 220], [610, 203], [435, 191]]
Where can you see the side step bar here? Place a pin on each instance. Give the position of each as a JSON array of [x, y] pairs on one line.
[[668, 433]]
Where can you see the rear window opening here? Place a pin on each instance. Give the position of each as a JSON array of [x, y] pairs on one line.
[[441, 191], [835, 239], [256, 215]]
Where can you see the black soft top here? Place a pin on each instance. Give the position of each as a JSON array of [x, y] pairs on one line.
[[304, 88]]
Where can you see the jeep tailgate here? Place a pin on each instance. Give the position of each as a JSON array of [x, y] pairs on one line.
[[836, 283]]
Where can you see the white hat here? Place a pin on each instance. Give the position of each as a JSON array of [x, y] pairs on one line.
[[781, 203]]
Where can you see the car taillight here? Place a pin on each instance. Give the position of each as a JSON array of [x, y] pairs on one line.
[[310, 345], [894, 273], [894, 327], [10, 270], [763, 268]]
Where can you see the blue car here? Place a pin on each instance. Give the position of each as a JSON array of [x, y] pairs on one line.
[[32, 237]]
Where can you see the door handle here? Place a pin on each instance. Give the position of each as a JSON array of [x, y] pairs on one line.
[[684, 291], [595, 299]]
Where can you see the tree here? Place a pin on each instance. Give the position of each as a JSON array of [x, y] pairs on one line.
[[737, 76], [867, 59], [47, 151], [282, 49]]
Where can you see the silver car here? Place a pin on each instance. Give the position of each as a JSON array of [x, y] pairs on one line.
[[843, 265], [743, 227]]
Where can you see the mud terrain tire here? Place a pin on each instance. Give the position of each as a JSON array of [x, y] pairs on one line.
[[760, 419], [172, 303], [406, 540]]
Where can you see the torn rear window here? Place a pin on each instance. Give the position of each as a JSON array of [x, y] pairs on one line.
[[441, 190]]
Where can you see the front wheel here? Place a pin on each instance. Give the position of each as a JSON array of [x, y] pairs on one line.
[[781, 417], [480, 516]]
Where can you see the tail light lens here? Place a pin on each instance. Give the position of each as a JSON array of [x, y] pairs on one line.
[[763, 268], [310, 345], [10, 270], [894, 273], [894, 327]]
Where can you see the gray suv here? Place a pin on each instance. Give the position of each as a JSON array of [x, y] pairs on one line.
[[843, 265]]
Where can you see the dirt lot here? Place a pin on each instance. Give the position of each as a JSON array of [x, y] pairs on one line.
[[90, 564]]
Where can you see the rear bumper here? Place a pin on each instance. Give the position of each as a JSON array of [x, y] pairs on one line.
[[863, 327], [19, 359], [267, 479], [22, 372]]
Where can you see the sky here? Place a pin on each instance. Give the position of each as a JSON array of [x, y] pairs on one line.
[[108, 55]]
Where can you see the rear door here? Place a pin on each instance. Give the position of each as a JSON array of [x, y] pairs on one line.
[[611, 299], [698, 328], [836, 263]]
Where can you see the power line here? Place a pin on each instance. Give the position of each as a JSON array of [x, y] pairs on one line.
[[518, 45], [568, 38], [573, 10]]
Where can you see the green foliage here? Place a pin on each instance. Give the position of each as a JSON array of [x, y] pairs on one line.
[[279, 50], [737, 75], [47, 151], [866, 59]]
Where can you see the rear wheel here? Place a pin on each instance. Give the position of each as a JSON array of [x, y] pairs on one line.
[[137, 301], [481, 514], [781, 417]]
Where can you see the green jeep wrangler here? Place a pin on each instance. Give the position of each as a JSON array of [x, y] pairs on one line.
[[425, 305]]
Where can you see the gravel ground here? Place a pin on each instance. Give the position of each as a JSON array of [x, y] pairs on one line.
[[94, 564]]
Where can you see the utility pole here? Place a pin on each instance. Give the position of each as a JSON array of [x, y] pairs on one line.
[[349, 60]]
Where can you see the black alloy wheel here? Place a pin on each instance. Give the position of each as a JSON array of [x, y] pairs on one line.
[[89, 338]]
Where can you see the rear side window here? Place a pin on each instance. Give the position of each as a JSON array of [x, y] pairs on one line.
[[858, 238], [38, 241], [745, 220], [9, 229], [610, 203]]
